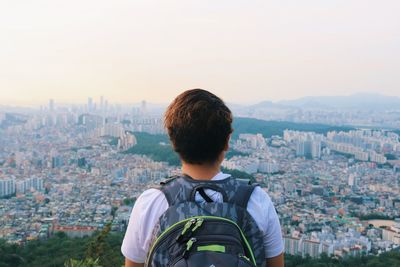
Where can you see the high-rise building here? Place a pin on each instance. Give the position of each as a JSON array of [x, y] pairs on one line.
[[316, 149], [51, 104], [292, 245], [90, 104], [29, 184], [126, 141], [304, 148], [7, 187], [143, 107], [105, 105], [268, 167], [101, 103], [111, 129], [311, 248]]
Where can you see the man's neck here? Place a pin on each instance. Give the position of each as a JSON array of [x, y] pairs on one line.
[[201, 172]]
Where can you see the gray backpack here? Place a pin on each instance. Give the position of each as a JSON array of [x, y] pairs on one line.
[[210, 234]]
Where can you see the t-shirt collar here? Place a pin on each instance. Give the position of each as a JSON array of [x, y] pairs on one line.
[[220, 176]]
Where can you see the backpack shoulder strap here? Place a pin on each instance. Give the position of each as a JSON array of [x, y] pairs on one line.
[[171, 188], [181, 189], [242, 194], [169, 179]]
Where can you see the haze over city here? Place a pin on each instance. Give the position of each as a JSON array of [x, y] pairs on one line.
[[245, 52]]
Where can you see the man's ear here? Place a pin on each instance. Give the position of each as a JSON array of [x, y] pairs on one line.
[[226, 148]]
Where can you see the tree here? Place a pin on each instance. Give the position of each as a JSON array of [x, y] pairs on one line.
[[101, 247]]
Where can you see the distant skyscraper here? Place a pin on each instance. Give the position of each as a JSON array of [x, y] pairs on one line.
[[307, 148], [51, 104], [316, 149], [300, 148], [101, 103], [105, 105], [143, 107], [303, 148], [90, 104]]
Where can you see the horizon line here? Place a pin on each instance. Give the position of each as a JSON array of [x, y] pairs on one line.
[[248, 103]]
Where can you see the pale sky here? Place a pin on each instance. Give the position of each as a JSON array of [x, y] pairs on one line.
[[244, 51]]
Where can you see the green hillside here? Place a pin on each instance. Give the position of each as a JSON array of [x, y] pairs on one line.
[[270, 128], [157, 147]]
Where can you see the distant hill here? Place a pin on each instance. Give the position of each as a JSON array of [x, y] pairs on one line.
[[365, 101], [269, 104]]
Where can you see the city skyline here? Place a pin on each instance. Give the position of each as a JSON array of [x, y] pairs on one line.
[[97, 99]]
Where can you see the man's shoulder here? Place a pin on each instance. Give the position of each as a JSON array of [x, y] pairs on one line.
[[261, 198], [261, 193], [150, 197], [151, 192]]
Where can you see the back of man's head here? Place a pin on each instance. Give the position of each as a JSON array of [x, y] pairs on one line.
[[198, 124]]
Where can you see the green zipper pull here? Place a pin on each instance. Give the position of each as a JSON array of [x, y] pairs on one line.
[[188, 225], [189, 245], [198, 224]]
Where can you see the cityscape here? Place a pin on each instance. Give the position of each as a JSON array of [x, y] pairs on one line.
[[313, 87], [71, 169]]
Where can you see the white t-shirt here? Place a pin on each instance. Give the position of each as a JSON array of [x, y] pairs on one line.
[[151, 204]]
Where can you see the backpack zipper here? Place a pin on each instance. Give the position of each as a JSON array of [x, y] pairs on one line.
[[244, 258], [173, 228]]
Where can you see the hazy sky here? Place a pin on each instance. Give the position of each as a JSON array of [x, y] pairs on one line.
[[244, 51]]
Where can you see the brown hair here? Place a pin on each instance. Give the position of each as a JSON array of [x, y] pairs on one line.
[[198, 124]]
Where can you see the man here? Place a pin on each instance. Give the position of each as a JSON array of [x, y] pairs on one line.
[[199, 125]]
